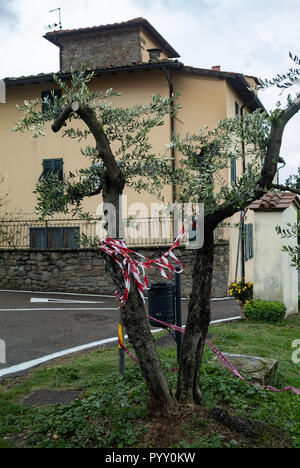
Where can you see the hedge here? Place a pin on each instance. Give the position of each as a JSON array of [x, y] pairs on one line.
[[269, 311]]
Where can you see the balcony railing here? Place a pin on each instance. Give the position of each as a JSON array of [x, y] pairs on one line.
[[30, 232]]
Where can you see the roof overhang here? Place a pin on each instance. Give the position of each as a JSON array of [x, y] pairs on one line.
[[36, 79], [275, 201], [237, 80]]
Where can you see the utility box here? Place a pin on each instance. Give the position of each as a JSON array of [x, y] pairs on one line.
[[161, 303]]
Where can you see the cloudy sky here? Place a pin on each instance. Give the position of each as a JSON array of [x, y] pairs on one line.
[[248, 37]]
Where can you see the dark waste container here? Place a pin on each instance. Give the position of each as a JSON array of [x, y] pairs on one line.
[[161, 303]]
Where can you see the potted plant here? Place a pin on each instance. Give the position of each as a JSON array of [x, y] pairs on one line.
[[243, 293]]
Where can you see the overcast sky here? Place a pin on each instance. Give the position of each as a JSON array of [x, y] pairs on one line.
[[247, 37]]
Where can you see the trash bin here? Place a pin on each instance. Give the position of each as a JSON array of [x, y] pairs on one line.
[[161, 303]]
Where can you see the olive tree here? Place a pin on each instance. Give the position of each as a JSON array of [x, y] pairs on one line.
[[262, 134], [133, 163]]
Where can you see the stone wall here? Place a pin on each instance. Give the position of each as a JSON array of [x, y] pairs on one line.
[[100, 51], [83, 271]]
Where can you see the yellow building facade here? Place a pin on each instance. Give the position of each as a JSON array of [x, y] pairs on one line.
[[135, 59]]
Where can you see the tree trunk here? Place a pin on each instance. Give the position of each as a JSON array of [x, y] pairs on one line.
[[133, 316], [199, 316], [134, 319]]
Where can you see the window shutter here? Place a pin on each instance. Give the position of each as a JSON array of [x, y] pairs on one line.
[[233, 170], [251, 241], [37, 238], [52, 166], [246, 242], [237, 109], [48, 94]]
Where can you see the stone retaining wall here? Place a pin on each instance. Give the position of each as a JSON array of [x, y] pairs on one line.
[[83, 271]]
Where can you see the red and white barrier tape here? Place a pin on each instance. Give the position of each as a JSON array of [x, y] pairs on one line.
[[117, 248], [129, 265], [220, 355]]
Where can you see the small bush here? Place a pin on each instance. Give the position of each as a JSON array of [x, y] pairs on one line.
[[265, 310]]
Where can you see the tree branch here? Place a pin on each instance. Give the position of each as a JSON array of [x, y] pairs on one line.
[[61, 119], [88, 115], [269, 167], [286, 188], [95, 192], [273, 150]]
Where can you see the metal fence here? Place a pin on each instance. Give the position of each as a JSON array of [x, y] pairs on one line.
[[55, 233], [52, 233]]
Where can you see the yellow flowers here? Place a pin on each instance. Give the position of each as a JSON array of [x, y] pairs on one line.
[[242, 291]]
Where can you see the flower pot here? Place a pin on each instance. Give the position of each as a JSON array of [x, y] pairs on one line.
[[242, 313]]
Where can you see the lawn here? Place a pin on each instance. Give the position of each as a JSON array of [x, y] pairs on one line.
[[111, 411]]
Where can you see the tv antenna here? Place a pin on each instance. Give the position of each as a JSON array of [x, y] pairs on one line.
[[54, 25]]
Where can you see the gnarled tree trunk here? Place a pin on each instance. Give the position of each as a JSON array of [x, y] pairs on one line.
[[199, 315], [133, 316]]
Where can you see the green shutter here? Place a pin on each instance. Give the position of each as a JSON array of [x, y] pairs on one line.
[[233, 170], [248, 241], [52, 166], [237, 109], [49, 96]]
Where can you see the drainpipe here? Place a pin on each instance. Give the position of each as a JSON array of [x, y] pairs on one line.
[[172, 127]]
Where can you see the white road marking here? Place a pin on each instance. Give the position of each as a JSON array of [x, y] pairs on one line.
[[230, 319], [57, 293], [63, 301], [221, 298], [50, 357], [35, 362], [91, 295]]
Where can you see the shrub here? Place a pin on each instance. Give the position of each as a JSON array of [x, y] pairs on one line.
[[265, 310]]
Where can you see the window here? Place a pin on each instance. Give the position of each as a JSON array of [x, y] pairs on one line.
[[233, 170], [54, 238], [52, 166], [237, 109], [248, 241], [49, 96]]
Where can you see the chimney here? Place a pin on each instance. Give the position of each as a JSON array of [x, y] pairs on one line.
[[216, 68], [154, 54]]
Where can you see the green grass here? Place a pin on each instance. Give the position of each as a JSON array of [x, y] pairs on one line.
[[112, 410]]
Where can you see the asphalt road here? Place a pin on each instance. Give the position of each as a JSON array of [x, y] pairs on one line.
[[33, 325]]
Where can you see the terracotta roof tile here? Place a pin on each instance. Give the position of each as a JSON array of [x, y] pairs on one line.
[[275, 201], [103, 26]]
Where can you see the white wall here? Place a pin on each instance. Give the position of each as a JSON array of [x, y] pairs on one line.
[[274, 278]]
